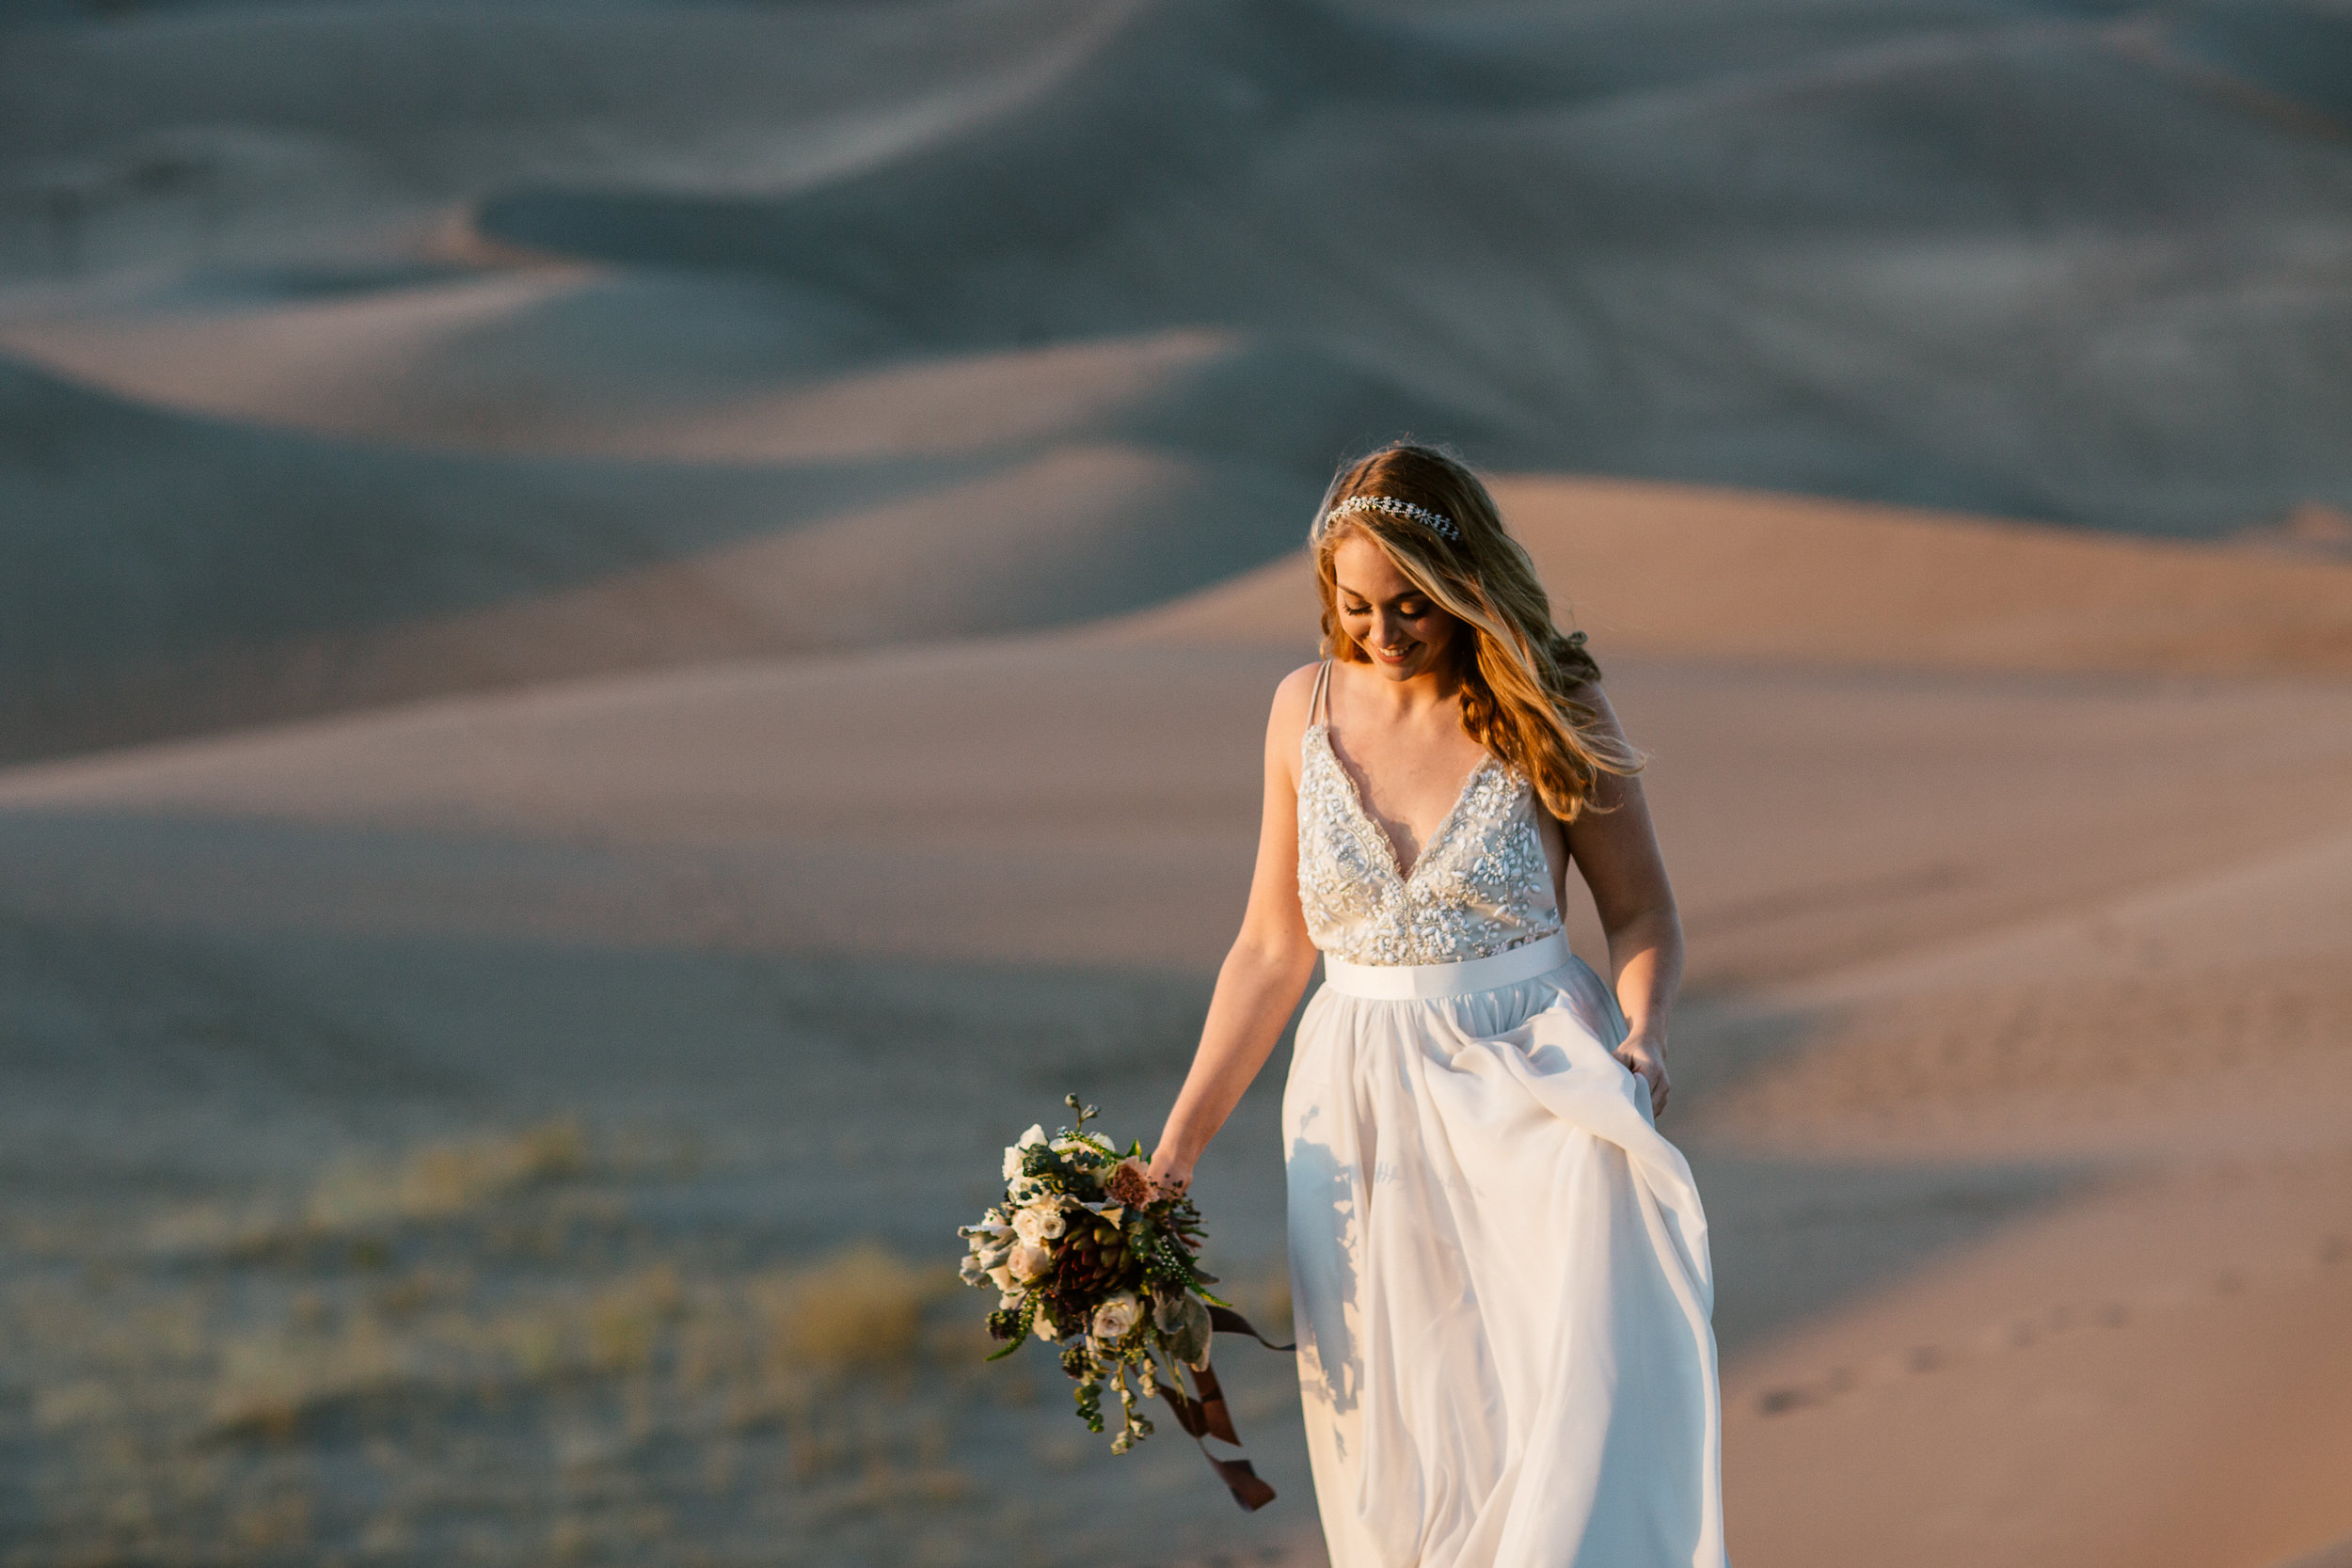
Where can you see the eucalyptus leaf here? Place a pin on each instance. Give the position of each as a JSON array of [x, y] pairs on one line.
[[1185, 1320]]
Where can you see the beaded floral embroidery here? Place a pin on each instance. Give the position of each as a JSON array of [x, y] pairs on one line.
[[1481, 885]]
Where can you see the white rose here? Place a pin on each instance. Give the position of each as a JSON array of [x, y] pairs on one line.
[[1002, 1275], [1044, 1326], [1040, 1223], [1029, 1264], [1116, 1317], [1036, 1134]]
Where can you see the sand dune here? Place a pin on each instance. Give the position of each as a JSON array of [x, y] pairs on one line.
[[208, 134], [907, 504], [282, 575], [1896, 807], [2184, 1050], [1999, 979], [561, 360], [715, 571], [1718, 275], [2201, 1016], [2150, 1377], [1586, 241], [1687, 573], [849, 264], [1947, 956]]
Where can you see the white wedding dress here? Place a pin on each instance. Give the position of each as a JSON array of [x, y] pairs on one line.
[[1499, 1268]]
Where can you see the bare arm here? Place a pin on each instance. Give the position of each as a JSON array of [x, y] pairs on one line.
[[1266, 971], [1617, 851]]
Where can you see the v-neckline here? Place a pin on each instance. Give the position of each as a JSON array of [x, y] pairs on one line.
[[1364, 813]]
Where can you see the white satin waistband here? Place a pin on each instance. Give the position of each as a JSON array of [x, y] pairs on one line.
[[1408, 982]]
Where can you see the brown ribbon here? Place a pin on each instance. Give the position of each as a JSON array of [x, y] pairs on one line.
[[1207, 1416], [1224, 1320]]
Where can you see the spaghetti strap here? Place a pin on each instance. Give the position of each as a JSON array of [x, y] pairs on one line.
[[1322, 698]]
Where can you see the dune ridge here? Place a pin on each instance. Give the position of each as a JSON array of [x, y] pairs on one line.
[[708, 280], [1688, 572], [285, 574], [1841, 344]]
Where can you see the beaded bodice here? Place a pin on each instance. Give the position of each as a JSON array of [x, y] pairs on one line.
[[1480, 886]]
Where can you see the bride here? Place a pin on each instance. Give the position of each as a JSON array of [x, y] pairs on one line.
[[1499, 1268]]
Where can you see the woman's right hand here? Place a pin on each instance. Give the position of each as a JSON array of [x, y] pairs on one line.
[[1169, 1175]]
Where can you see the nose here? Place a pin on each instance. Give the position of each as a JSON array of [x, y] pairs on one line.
[[1387, 631]]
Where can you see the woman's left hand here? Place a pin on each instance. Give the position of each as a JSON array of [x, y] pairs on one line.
[[1646, 1059]]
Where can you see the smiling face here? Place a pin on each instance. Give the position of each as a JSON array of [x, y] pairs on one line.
[[1399, 626]]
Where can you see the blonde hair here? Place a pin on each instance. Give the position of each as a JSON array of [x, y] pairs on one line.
[[1520, 676]]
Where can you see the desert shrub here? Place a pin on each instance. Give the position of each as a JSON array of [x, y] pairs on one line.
[[625, 1321], [861, 1309], [451, 1178]]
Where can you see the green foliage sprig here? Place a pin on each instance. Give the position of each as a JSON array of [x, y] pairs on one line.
[[1085, 1251]]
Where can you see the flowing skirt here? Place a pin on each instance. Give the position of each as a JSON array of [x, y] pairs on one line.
[[1499, 1277]]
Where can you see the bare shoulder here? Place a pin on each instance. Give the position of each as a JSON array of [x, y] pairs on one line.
[[1296, 691], [1292, 699], [1611, 790], [1589, 694]]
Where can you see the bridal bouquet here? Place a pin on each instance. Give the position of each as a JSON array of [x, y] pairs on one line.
[[1087, 1253]]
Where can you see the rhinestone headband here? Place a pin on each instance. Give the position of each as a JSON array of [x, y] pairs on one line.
[[1435, 522]]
